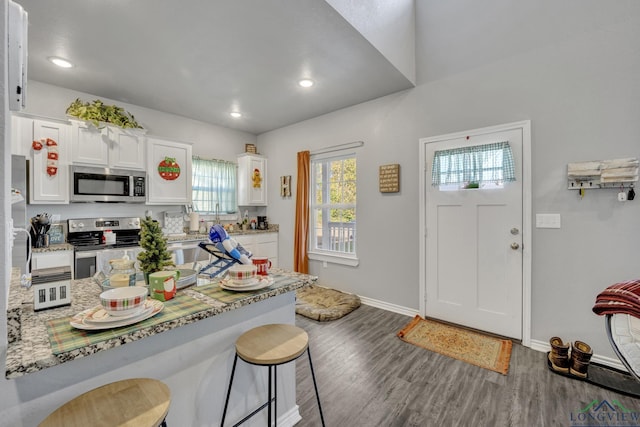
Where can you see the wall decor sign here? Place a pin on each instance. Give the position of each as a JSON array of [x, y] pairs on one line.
[[56, 234], [285, 186], [169, 169], [389, 178]]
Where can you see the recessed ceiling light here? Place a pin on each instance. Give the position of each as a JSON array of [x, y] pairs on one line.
[[235, 114], [306, 83], [60, 62]]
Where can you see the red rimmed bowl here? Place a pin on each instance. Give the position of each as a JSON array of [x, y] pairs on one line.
[[123, 301]]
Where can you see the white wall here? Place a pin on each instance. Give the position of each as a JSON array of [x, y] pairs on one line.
[[389, 26], [572, 69]]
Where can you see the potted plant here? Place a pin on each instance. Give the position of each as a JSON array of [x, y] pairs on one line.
[[155, 256], [98, 112]]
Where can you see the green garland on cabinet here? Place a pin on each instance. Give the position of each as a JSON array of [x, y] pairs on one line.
[[97, 112]]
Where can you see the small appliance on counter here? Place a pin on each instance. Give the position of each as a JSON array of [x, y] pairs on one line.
[[263, 224], [51, 287]]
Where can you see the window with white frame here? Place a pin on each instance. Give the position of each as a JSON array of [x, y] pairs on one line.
[[214, 186], [333, 206]]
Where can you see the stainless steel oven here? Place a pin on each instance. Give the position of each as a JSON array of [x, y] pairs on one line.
[[92, 252]]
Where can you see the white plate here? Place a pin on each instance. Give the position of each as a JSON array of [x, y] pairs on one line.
[[99, 315], [241, 283], [79, 320], [261, 283]]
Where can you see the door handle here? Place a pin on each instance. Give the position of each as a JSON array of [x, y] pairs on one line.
[[515, 246]]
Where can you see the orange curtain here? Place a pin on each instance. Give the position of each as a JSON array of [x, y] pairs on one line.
[[301, 232]]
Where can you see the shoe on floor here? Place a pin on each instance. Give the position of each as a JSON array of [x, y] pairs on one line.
[[580, 356], [559, 355]]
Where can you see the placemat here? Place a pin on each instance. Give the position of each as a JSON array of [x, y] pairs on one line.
[[216, 292], [64, 337]]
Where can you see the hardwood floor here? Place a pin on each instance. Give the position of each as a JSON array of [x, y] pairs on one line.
[[369, 377]]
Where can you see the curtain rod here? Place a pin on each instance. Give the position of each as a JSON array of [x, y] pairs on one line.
[[345, 146]]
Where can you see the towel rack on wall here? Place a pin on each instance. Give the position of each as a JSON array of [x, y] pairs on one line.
[[616, 173]]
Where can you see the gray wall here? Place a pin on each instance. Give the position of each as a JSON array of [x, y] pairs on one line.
[[572, 69]]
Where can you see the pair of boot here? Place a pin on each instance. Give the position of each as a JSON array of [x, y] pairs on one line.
[[576, 364]]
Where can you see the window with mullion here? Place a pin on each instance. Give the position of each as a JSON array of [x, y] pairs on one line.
[[333, 205]]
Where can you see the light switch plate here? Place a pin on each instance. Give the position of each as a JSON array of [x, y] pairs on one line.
[[547, 220]]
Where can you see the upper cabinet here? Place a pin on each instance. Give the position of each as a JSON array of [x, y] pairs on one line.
[[46, 145], [252, 180], [109, 146], [169, 172]]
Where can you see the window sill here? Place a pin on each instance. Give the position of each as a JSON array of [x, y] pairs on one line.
[[352, 261]]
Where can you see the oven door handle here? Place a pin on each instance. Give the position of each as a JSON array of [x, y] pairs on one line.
[[86, 254]]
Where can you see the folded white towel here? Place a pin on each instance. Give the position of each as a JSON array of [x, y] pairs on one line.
[[584, 173], [620, 172], [620, 163], [584, 166]]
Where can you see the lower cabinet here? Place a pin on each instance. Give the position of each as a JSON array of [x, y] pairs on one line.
[[261, 245], [41, 260]]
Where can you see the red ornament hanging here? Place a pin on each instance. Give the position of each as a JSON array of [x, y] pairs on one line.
[[169, 169]]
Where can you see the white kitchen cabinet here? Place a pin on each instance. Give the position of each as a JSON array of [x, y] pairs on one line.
[[126, 149], [46, 185], [260, 245], [252, 180], [109, 146], [21, 135], [169, 172], [40, 260]]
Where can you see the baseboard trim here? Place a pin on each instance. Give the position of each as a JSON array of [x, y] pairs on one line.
[[389, 307], [544, 346], [290, 418]]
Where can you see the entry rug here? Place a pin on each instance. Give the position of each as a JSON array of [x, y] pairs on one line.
[[468, 346], [64, 337]]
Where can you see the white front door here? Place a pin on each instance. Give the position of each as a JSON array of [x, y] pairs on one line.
[[473, 257]]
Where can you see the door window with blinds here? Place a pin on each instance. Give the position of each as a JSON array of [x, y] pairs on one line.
[[486, 166], [333, 205]]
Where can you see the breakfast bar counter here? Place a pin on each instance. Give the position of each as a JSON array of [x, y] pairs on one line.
[[189, 345]]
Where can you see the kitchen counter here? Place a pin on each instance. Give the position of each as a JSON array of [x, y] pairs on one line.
[[29, 349], [53, 248], [273, 228]]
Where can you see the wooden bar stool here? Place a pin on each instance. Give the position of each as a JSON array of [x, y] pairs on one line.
[[271, 345], [139, 402]]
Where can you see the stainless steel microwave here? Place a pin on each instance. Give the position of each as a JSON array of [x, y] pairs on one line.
[[90, 184]]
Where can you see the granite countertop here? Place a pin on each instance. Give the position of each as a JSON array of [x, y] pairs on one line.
[[29, 348], [273, 228], [53, 248]]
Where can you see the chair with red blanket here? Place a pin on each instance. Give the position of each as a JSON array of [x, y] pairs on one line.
[[620, 304]]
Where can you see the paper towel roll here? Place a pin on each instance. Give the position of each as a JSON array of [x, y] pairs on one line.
[[194, 221]]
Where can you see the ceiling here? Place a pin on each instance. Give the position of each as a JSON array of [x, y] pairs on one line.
[[203, 59]]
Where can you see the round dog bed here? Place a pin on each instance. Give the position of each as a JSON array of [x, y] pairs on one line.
[[322, 304]]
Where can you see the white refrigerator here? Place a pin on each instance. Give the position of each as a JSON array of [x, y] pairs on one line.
[[21, 247]]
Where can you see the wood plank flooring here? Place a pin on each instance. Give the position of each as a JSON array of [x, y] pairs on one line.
[[369, 377]]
